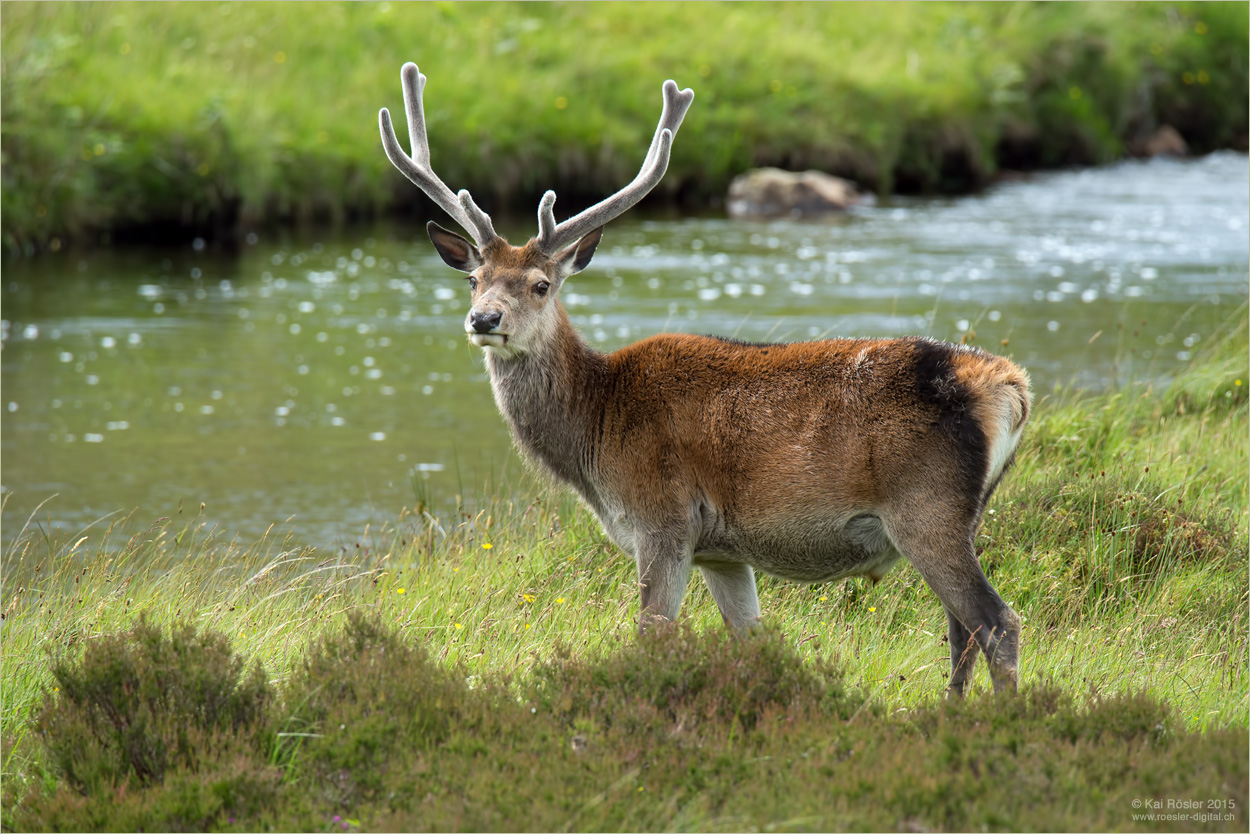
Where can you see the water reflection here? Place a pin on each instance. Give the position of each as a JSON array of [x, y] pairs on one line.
[[323, 385]]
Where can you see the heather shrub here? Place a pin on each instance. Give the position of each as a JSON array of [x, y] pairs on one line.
[[153, 731], [679, 680], [139, 703], [367, 704]]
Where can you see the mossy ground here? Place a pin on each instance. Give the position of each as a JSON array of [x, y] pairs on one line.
[[678, 730]]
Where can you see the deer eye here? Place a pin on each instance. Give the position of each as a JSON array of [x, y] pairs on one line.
[[541, 288], [472, 283]]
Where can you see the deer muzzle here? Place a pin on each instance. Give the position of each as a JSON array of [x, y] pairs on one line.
[[484, 322], [483, 328]]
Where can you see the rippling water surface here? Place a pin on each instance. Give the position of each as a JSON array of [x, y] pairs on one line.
[[320, 384]]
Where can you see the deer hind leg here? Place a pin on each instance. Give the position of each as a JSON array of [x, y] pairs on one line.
[[733, 587], [964, 651], [945, 557], [664, 565]]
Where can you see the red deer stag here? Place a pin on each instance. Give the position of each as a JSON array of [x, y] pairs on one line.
[[809, 461]]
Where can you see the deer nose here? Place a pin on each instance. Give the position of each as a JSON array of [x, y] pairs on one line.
[[485, 322]]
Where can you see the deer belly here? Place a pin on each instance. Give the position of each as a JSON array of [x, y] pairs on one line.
[[811, 552]]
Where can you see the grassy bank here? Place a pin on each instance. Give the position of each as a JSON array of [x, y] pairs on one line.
[[213, 118], [482, 672]]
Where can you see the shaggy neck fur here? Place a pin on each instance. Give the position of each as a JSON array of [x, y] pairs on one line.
[[549, 396]]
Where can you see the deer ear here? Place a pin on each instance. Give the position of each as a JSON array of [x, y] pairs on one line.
[[455, 251], [577, 256]]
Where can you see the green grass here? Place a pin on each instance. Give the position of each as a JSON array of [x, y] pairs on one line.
[[125, 117], [482, 671]]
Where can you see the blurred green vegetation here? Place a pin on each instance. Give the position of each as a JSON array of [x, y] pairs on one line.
[[126, 118]]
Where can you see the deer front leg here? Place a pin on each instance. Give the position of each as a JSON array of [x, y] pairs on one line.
[[733, 587], [664, 563]]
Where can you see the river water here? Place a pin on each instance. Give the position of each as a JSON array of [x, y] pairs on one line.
[[319, 384]]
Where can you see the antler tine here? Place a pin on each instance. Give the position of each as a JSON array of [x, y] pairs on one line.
[[551, 236], [547, 218], [413, 81], [676, 103], [483, 230], [417, 167]]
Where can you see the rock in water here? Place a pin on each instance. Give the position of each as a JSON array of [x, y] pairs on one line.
[[1165, 141], [771, 192]]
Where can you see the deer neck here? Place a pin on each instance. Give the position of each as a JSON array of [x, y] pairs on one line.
[[548, 396]]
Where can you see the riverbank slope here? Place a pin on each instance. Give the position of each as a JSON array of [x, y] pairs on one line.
[[171, 120]]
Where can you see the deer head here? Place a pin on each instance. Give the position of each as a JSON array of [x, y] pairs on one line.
[[515, 288]]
